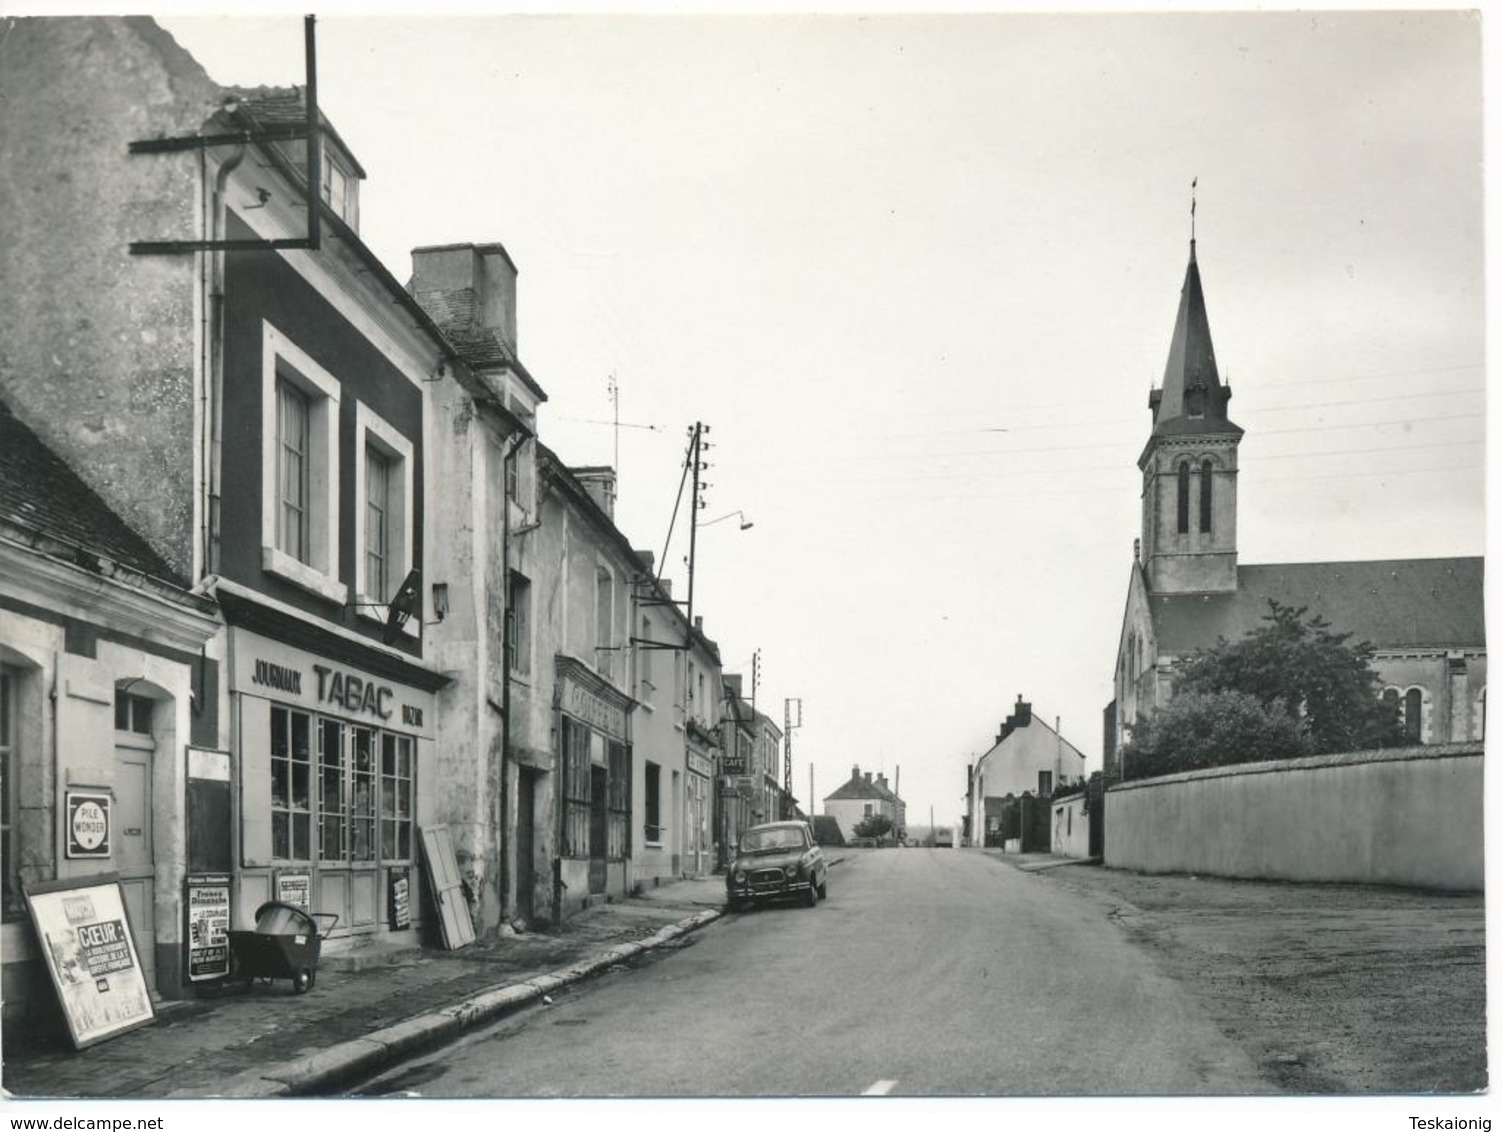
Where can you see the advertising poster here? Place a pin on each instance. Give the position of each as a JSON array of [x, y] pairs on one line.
[[91, 956], [295, 886], [88, 825], [399, 899], [208, 927]]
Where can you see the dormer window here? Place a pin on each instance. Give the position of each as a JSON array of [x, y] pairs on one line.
[[338, 187]]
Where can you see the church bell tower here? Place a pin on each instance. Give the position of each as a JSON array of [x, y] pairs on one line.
[[1189, 464]]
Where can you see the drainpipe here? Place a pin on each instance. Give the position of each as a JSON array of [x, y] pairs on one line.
[[503, 858], [213, 344]]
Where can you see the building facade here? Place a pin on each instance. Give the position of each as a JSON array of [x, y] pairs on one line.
[[1028, 757], [860, 797]]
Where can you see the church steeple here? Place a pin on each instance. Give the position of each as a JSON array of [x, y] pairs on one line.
[[1188, 466], [1192, 398]]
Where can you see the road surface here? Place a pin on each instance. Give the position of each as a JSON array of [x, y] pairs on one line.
[[927, 972]]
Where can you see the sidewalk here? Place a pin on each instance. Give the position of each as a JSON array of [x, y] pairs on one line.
[[270, 1042]]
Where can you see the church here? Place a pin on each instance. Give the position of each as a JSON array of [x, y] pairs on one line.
[[1187, 588]]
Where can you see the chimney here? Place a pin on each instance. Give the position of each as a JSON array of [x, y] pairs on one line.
[[868, 776], [649, 560], [855, 773], [471, 286], [699, 624], [599, 481]]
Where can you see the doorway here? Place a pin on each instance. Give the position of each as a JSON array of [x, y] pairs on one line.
[[526, 871], [597, 830], [134, 849]]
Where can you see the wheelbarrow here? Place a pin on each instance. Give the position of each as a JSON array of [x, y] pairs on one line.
[[284, 945]]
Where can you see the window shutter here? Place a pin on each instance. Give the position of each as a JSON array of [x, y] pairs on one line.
[[255, 781], [86, 720]]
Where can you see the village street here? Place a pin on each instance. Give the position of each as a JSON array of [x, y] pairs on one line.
[[936, 972]]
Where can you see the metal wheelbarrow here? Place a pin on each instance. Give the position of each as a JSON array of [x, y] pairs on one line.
[[284, 945]]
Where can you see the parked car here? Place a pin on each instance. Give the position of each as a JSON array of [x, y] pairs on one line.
[[777, 861]]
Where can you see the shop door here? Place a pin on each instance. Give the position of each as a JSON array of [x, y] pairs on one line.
[[597, 828], [133, 851], [526, 875]]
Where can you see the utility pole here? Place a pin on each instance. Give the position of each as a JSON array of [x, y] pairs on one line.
[[788, 723], [696, 461], [615, 400]]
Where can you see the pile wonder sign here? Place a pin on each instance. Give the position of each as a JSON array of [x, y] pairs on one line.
[[88, 824]]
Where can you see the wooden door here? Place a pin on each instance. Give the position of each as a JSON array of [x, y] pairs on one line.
[[598, 830], [134, 851]]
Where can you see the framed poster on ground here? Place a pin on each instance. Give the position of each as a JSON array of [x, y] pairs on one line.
[[91, 955], [208, 927]]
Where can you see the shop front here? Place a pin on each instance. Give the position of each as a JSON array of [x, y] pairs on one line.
[[697, 817], [594, 752], [332, 762]]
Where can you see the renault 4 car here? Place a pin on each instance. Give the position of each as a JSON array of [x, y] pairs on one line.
[[777, 861]]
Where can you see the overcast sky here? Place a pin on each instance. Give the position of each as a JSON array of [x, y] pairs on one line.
[[919, 274]]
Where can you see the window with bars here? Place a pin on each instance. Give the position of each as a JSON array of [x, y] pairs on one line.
[[293, 467], [618, 803], [575, 789], [362, 799], [333, 807]]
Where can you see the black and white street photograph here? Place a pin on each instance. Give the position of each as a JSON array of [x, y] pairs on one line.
[[870, 564]]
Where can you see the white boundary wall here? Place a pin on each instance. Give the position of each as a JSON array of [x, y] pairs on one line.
[[1410, 816]]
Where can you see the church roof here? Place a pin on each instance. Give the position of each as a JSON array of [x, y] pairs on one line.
[[1192, 400], [1395, 603]]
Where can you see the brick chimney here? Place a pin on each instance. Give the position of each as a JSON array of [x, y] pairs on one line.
[[648, 559], [468, 286], [599, 481]]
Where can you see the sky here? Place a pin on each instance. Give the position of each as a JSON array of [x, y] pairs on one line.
[[918, 275]]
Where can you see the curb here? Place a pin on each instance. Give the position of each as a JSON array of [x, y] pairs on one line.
[[383, 1047]]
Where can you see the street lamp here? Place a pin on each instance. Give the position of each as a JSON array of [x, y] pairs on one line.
[[746, 524]]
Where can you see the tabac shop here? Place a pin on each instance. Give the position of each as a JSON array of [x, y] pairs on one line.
[[331, 776]]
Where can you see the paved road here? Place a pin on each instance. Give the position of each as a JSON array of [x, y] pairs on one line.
[[926, 972]]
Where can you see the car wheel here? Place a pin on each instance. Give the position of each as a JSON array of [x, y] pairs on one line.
[[810, 896], [824, 889]]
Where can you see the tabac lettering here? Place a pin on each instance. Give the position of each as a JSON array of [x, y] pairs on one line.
[[353, 693]]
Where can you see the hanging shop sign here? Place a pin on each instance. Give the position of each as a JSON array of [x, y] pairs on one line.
[[399, 899], [88, 825], [295, 886], [208, 927], [700, 765], [91, 956]]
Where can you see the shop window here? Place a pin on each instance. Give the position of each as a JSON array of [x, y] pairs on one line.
[[383, 524], [10, 758], [1207, 480], [618, 803], [575, 789], [291, 775], [519, 624], [396, 797], [362, 794], [299, 469], [333, 808], [133, 713], [654, 803]]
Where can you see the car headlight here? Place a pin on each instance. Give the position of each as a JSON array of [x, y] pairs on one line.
[[740, 877], [792, 871]]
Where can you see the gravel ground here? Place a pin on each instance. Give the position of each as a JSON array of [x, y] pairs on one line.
[[1330, 988]]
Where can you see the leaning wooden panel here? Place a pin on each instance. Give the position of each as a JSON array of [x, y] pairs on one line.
[[448, 887], [90, 952]]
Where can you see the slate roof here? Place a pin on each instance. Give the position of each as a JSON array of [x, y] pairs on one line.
[[1191, 365], [283, 106], [40, 492], [456, 312], [857, 788], [1425, 603], [827, 830]]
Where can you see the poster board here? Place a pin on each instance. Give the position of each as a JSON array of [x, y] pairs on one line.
[[399, 899], [448, 887], [90, 953], [295, 886], [208, 927]]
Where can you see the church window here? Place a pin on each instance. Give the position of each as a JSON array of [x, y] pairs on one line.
[[1183, 499], [1207, 478]]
